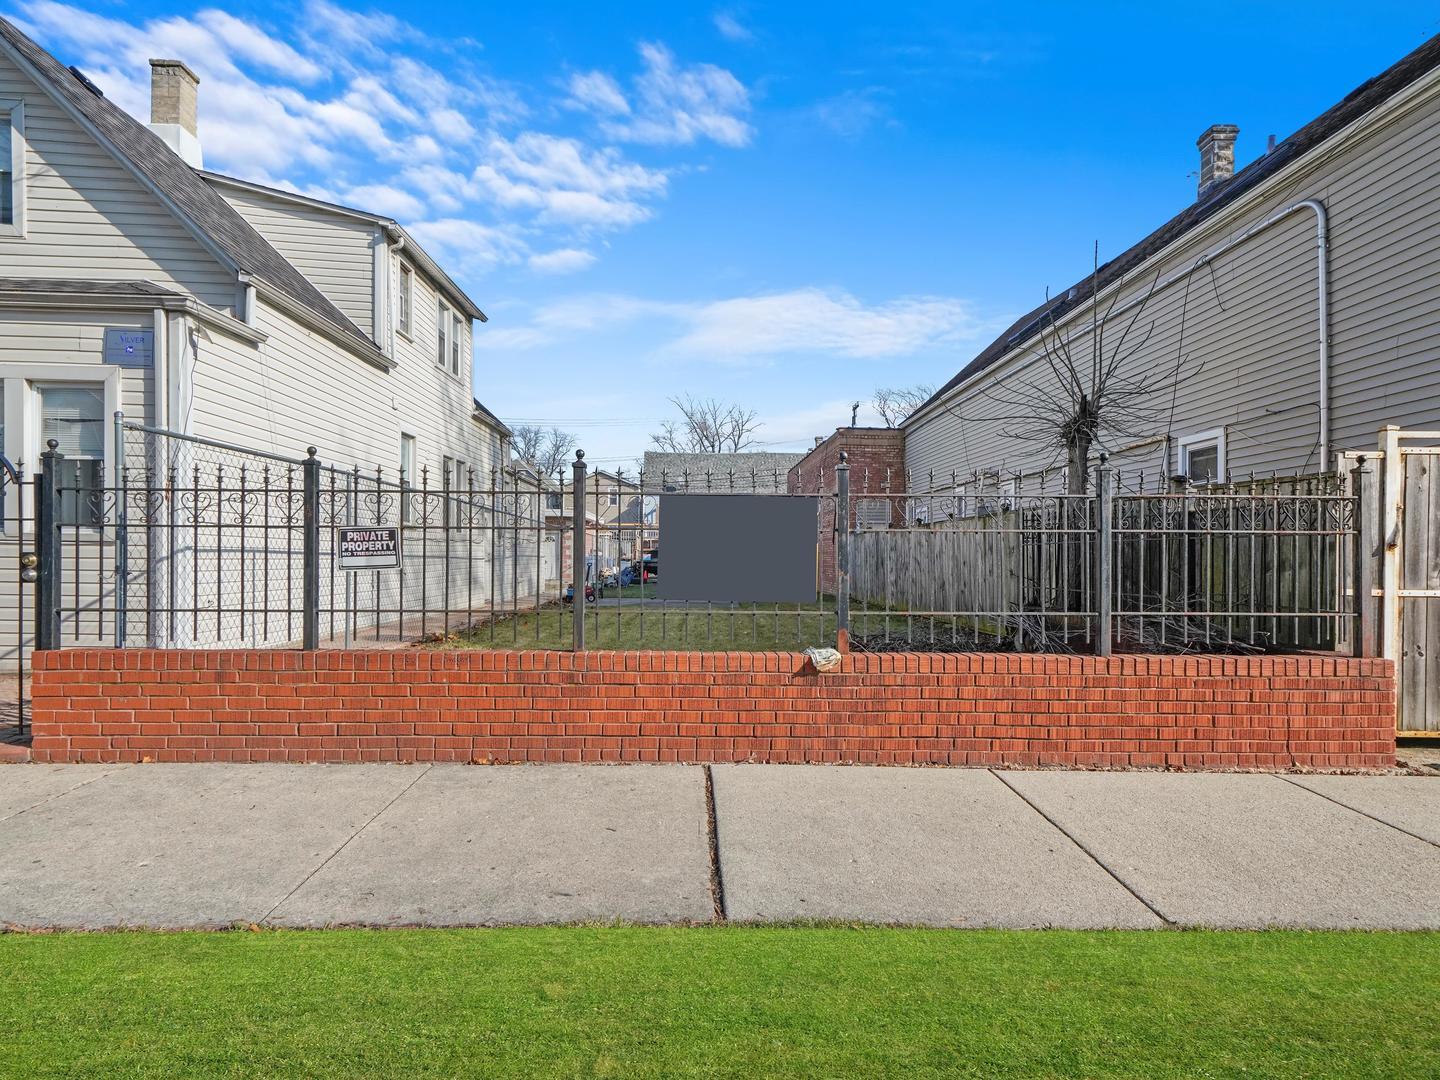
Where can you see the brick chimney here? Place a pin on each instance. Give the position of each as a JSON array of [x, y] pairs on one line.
[[173, 97], [1217, 156]]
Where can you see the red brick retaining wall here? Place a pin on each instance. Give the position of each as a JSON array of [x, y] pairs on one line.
[[962, 709]]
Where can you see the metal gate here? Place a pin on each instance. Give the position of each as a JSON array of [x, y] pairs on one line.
[[1406, 511], [17, 557]]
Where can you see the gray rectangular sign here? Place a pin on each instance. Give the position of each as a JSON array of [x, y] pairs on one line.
[[738, 548], [368, 548], [129, 348]]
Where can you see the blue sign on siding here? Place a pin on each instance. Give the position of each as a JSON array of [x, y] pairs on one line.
[[129, 348]]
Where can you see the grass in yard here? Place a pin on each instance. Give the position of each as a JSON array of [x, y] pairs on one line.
[[736, 1001], [747, 627]]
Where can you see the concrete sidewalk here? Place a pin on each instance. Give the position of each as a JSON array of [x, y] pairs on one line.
[[215, 845]]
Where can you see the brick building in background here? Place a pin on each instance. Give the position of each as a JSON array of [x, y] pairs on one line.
[[876, 457]]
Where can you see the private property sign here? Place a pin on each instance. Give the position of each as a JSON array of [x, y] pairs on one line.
[[368, 548]]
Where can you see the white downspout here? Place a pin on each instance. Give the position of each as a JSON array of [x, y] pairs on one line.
[[1322, 269]]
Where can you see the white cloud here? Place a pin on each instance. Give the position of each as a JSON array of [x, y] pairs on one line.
[[854, 112], [820, 321], [384, 199], [597, 92], [730, 28], [671, 104], [561, 261], [564, 181], [472, 245], [745, 329], [343, 104]]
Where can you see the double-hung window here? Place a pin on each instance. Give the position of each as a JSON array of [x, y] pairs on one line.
[[442, 324], [456, 337], [12, 167], [406, 299]]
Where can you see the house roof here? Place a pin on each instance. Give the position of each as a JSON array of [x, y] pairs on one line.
[[767, 470], [1355, 105], [235, 240], [418, 253], [83, 287], [490, 418]]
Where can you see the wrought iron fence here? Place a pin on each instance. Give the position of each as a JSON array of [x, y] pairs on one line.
[[193, 542]]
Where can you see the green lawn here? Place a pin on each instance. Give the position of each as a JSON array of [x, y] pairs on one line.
[[748, 627], [742, 1002]]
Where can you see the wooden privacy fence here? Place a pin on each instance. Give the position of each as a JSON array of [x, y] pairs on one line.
[[1259, 565]]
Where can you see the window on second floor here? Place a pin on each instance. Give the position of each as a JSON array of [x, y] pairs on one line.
[[12, 168], [406, 300], [442, 323], [456, 337]]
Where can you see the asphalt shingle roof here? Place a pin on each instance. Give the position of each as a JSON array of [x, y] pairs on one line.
[[749, 470], [84, 287], [178, 182]]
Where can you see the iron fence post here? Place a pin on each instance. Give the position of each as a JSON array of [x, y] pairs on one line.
[[122, 534], [577, 551], [1363, 635], [842, 553], [1104, 554], [47, 549], [310, 627]]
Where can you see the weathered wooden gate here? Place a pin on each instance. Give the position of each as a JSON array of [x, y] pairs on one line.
[[1406, 513]]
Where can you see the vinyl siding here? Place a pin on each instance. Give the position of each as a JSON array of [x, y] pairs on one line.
[[56, 343], [299, 389], [334, 251], [1250, 330], [86, 215]]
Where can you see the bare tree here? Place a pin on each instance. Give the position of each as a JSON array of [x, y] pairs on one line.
[[895, 403], [1079, 395], [548, 449], [706, 426]]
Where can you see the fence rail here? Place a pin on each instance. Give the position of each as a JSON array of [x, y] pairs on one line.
[[190, 542]]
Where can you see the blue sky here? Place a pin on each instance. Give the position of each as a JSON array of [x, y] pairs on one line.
[[782, 205]]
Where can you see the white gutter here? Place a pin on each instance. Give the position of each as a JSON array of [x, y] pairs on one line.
[[1322, 247]]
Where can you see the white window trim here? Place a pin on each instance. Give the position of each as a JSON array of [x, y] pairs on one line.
[[405, 302], [1199, 441], [441, 343], [457, 344], [14, 112]]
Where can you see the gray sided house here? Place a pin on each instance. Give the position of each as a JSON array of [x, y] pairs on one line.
[[1296, 299], [134, 281]]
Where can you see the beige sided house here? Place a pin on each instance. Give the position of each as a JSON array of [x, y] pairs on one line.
[[1302, 291], [268, 319], [133, 280]]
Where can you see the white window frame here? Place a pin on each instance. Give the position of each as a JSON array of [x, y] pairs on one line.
[[12, 112], [457, 344], [405, 303], [1203, 440], [442, 329]]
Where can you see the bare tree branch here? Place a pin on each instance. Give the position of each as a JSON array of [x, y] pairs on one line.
[[895, 403], [706, 426]]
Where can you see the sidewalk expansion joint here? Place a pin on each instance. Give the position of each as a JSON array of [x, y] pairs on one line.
[[717, 881], [1356, 810], [1092, 856], [327, 860], [61, 794]]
